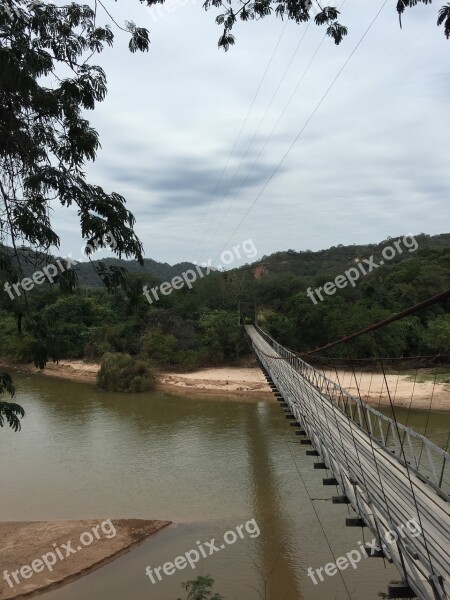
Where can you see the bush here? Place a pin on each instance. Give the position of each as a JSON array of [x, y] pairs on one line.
[[201, 589], [159, 347], [18, 348], [438, 334], [122, 373], [121, 337]]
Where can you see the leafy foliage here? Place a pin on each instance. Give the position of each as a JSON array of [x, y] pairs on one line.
[[438, 334], [201, 589], [46, 85], [444, 19], [121, 373], [10, 412], [46, 82], [299, 11]]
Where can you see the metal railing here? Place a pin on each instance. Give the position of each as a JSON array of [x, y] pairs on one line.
[[427, 460]]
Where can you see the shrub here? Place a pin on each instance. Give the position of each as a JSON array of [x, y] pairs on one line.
[[122, 373], [18, 348], [159, 347], [201, 589]]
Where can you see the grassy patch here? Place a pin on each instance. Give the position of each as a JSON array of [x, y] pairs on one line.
[[440, 375]]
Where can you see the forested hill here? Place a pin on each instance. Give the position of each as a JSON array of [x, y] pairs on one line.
[[86, 271], [337, 259], [153, 271], [190, 328], [305, 263]]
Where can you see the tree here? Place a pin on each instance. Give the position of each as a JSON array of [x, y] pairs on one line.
[[221, 334], [200, 589], [438, 334], [46, 81], [299, 11], [10, 413]]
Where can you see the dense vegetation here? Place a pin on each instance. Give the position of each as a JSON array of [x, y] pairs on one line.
[[199, 327]]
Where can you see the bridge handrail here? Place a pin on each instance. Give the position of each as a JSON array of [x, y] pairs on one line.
[[314, 376]]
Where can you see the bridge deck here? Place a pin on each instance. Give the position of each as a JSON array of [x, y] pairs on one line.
[[385, 493]]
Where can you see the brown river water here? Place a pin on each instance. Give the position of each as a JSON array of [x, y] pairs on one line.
[[207, 464]]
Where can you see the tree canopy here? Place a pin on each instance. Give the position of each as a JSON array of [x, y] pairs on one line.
[[300, 11], [46, 84]]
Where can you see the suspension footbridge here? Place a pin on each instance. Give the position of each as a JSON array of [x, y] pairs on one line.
[[390, 474]]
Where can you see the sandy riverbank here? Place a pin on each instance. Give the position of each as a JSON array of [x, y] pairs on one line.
[[238, 381], [374, 389], [371, 387], [26, 542], [75, 370], [250, 382]]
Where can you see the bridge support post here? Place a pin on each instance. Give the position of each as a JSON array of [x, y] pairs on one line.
[[340, 500], [400, 590], [330, 481], [355, 522]]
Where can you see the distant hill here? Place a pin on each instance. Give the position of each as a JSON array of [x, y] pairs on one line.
[[160, 271], [87, 276], [305, 263], [197, 327], [337, 259]]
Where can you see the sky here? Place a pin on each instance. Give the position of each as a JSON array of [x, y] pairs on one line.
[[201, 142]]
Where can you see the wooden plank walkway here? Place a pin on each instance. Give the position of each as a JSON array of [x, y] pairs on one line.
[[386, 493]]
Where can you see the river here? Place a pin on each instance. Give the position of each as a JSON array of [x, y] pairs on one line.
[[208, 465]]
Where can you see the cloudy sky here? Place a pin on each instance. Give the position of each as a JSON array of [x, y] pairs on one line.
[[372, 162]]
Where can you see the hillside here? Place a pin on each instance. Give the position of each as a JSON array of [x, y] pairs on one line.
[[190, 328], [304, 263], [338, 258], [86, 273]]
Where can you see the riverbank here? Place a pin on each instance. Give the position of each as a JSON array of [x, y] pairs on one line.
[[75, 370], [250, 382], [403, 390], [27, 543], [237, 381]]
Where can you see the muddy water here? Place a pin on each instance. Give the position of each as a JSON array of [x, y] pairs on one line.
[[207, 464]]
